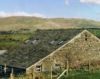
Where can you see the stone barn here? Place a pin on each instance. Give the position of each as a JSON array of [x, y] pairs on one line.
[[81, 49], [49, 52]]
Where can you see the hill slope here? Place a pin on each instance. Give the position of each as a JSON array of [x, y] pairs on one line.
[[33, 23]]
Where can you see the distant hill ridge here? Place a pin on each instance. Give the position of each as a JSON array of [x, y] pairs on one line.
[[33, 23]]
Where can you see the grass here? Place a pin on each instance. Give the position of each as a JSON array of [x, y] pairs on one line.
[[15, 37], [78, 74], [11, 41], [82, 75]]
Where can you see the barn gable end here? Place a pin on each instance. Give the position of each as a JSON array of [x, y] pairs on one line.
[[81, 49]]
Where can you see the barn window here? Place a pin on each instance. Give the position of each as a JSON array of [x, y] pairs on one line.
[[86, 37], [38, 68], [57, 65]]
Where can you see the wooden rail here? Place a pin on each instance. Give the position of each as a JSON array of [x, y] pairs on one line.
[[62, 74]]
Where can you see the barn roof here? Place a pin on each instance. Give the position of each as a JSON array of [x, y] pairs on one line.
[[40, 45]]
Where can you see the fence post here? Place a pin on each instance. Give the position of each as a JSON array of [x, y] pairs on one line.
[[67, 67], [89, 64], [12, 74]]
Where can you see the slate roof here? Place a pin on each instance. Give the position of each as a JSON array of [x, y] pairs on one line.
[[37, 47]]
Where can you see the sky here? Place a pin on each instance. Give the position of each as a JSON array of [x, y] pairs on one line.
[[89, 9]]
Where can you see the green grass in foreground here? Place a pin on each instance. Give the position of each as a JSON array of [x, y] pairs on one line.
[[82, 75]]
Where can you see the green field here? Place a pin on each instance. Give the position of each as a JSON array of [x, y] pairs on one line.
[[81, 74], [11, 41]]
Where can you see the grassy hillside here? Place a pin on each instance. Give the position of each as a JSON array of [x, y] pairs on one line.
[[33, 23], [11, 39]]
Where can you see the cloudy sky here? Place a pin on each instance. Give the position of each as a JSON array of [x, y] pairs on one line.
[[89, 9]]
